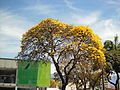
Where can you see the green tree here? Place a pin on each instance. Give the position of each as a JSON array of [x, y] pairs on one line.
[[113, 59], [63, 44]]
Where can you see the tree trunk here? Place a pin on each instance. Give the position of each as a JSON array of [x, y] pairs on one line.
[[64, 86], [117, 81], [93, 87], [116, 87], [103, 85], [85, 86], [77, 86]]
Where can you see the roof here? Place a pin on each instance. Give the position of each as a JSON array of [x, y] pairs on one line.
[[20, 59], [8, 63]]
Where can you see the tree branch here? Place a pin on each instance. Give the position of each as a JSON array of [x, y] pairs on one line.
[[109, 79], [58, 69]]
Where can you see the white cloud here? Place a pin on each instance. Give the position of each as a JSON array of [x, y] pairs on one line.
[[9, 47], [113, 2], [107, 29], [82, 19], [41, 9], [87, 19], [11, 29], [12, 25], [70, 5]]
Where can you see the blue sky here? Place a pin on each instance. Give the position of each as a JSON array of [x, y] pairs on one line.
[[17, 16]]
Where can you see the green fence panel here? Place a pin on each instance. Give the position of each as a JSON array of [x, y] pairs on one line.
[[33, 73], [44, 74]]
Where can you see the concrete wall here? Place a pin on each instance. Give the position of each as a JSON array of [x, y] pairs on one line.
[[8, 64]]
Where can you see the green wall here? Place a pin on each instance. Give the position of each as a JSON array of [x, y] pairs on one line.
[[33, 73]]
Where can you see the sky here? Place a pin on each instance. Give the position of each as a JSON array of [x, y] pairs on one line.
[[18, 16]]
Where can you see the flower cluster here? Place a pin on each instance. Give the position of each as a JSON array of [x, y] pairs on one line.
[[51, 37]]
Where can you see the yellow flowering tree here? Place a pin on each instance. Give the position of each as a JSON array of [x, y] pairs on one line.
[[54, 84], [63, 44]]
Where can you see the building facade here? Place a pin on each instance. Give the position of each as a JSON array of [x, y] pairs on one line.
[[8, 73]]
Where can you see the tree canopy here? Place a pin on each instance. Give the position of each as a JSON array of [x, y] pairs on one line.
[[63, 44], [113, 58]]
